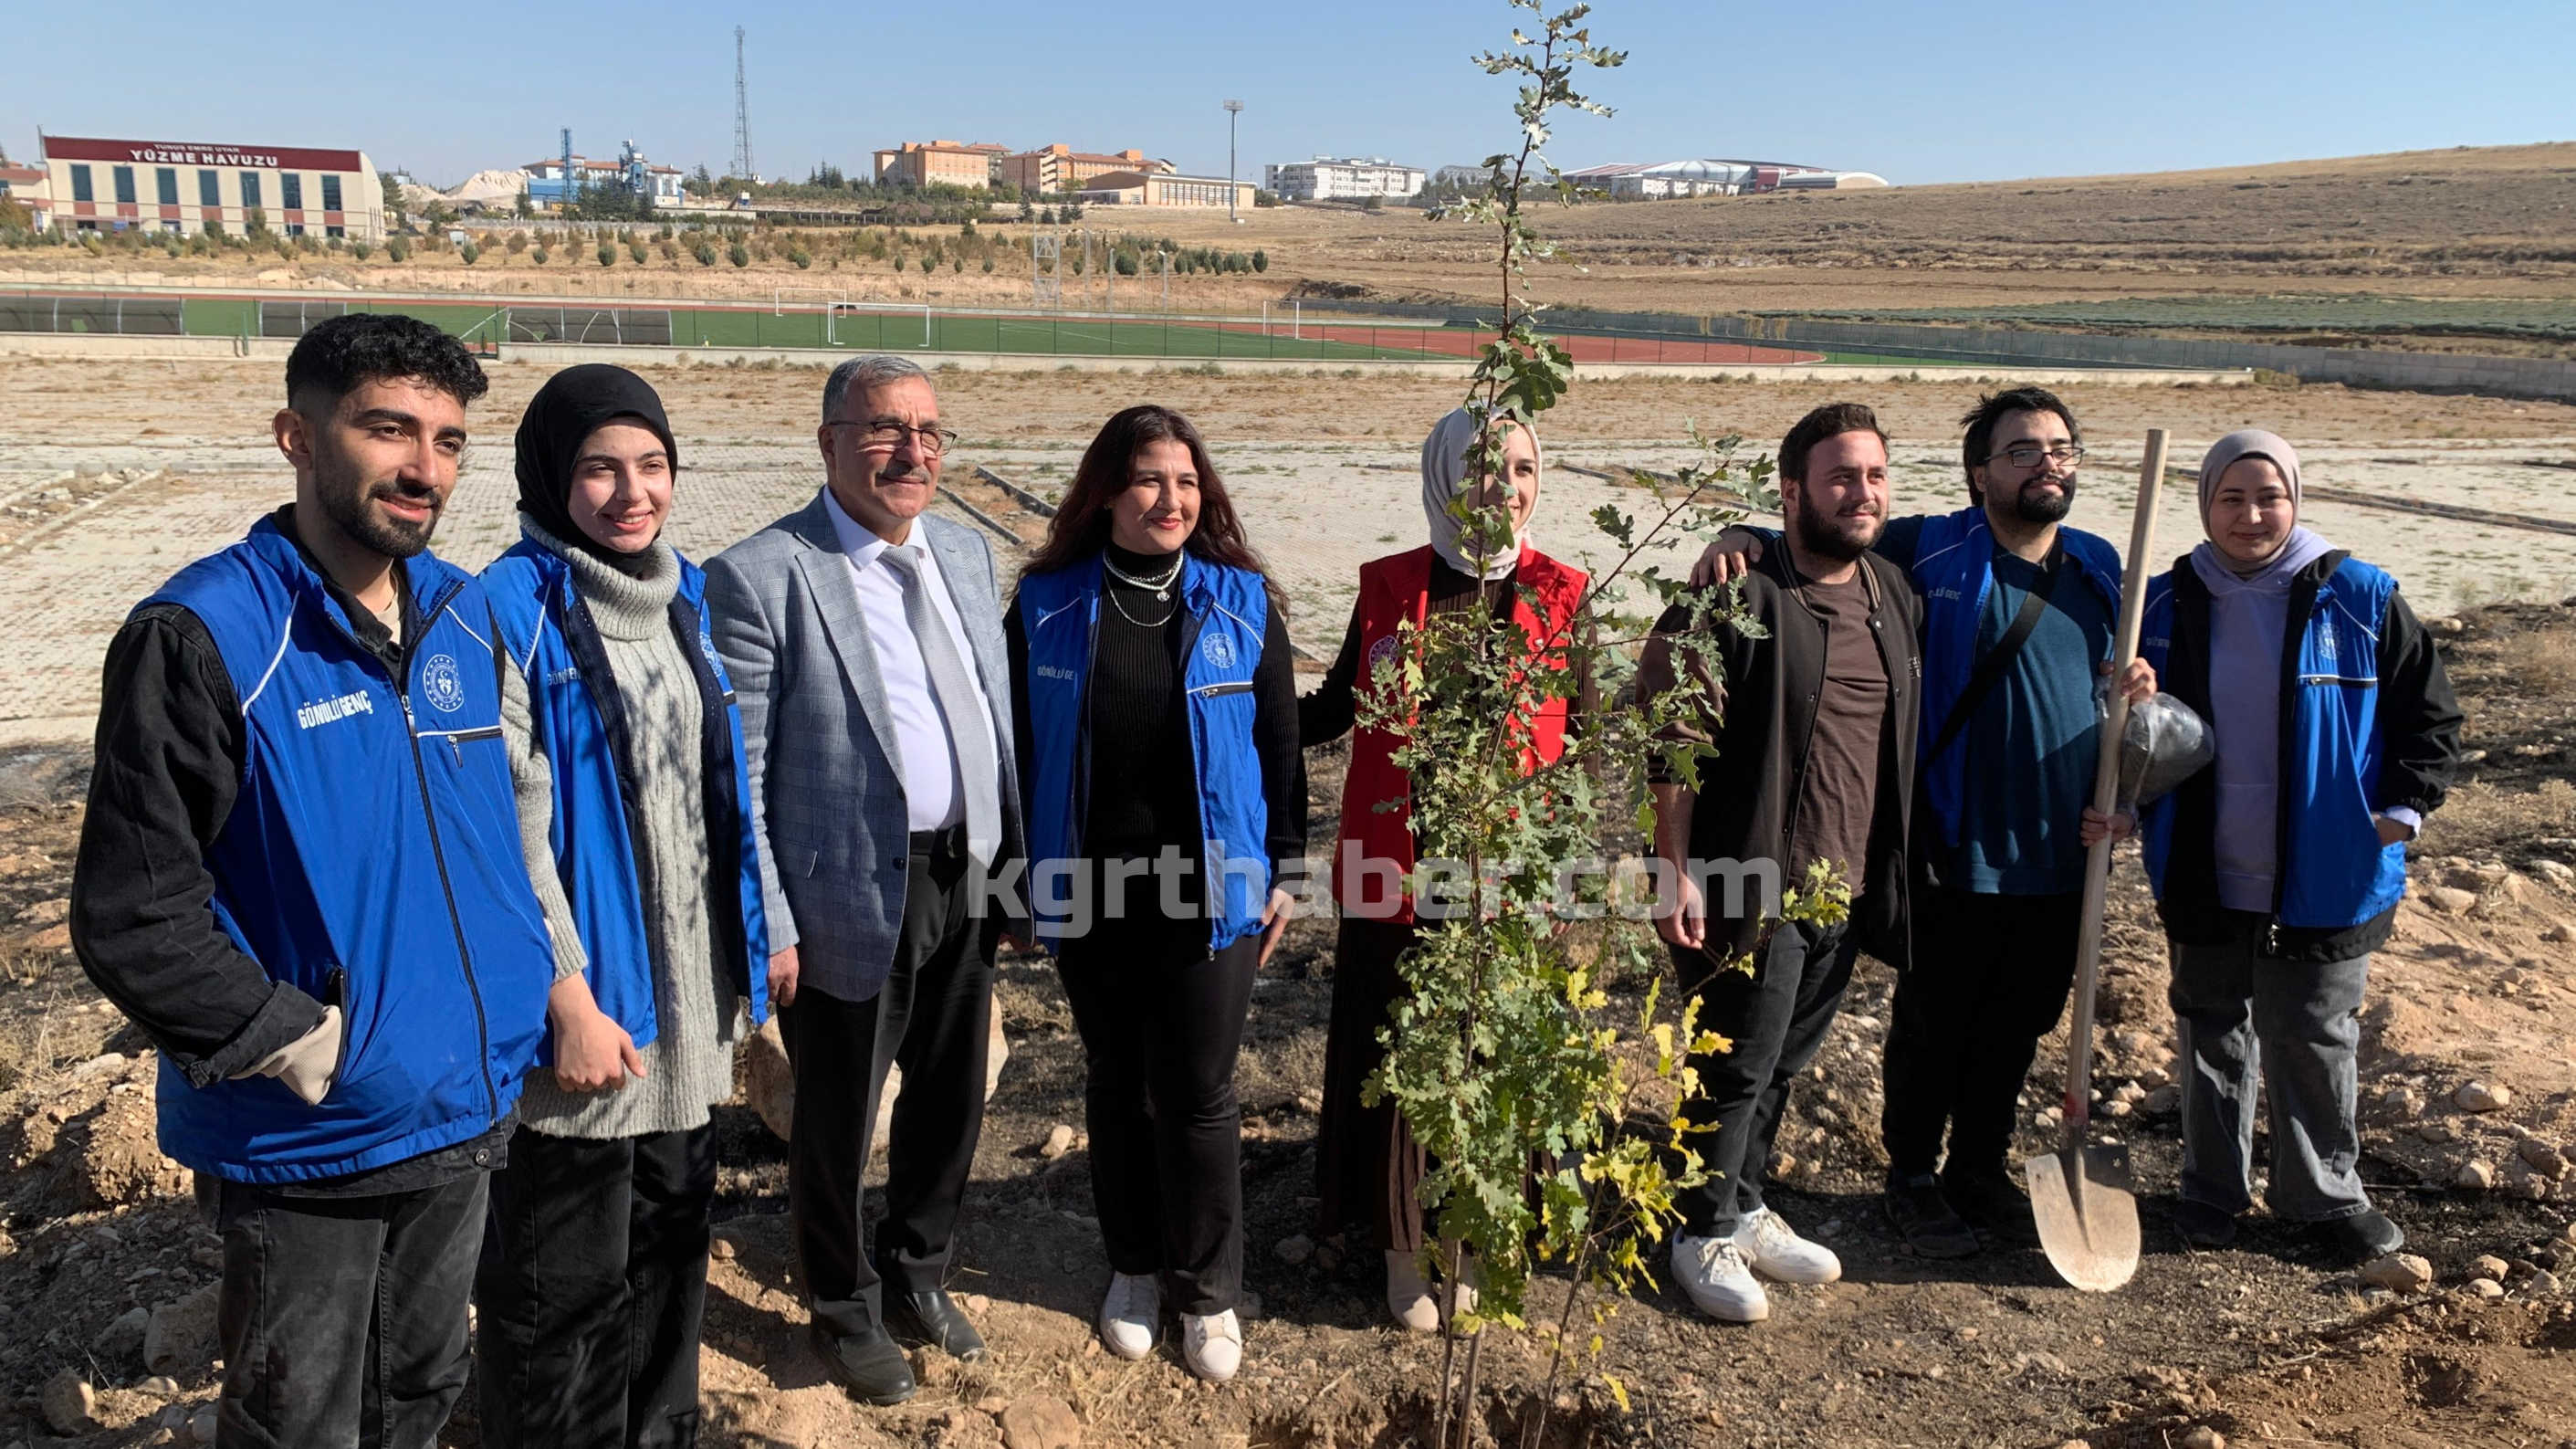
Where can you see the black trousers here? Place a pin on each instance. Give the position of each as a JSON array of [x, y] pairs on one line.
[[1162, 1024], [1990, 977], [1368, 1167], [592, 1287], [342, 1320], [932, 1019], [1776, 1018]]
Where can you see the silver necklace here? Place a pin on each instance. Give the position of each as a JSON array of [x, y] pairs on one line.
[[1140, 623], [1160, 588]]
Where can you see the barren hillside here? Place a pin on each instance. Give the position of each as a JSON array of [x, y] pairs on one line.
[[2494, 224]]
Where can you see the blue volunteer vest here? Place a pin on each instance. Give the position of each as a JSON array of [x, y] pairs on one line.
[[549, 632], [372, 859], [2332, 872], [1226, 612], [1954, 568]]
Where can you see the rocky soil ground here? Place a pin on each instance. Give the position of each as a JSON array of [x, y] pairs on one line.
[[106, 1270]]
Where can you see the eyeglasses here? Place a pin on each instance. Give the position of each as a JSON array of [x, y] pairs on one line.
[[888, 433], [2028, 455]]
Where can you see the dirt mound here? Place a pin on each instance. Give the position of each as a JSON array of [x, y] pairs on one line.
[[99, 1147], [489, 186], [2449, 1370]]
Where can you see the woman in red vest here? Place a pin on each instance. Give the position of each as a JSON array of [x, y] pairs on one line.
[[1367, 1164]]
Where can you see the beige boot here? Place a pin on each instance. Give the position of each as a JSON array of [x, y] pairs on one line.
[[1408, 1297], [1414, 1302], [1463, 1299]]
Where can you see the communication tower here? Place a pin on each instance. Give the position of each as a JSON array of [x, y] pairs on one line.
[[741, 114]]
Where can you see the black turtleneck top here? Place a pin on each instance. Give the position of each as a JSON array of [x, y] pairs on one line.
[[1143, 796], [1139, 726]]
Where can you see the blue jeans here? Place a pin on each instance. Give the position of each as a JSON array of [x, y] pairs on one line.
[[2300, 1027]]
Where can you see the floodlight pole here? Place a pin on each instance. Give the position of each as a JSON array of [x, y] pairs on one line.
[[1233, 109]]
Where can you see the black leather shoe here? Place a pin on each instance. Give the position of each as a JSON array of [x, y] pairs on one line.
[[935, 1319], [1991, 1202], [2202, 1225], [868, 1365], [2359, 1238], [1925, 1219]]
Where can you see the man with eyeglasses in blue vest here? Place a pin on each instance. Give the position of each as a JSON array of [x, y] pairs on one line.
[[300, 875], [2018, 610]]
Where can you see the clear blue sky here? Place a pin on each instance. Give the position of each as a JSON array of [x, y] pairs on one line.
[[1916, 92]]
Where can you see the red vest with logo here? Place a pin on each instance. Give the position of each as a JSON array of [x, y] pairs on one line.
[[1394, 590]]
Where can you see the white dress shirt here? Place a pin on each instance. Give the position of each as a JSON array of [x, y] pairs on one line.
[[934, 797]]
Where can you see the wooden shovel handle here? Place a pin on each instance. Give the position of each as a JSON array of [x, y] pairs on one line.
[[2106, 788]]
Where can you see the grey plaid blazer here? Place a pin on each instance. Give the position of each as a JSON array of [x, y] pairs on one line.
[[825, 793]]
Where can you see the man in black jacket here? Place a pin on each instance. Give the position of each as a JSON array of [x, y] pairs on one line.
[[1814, 763]]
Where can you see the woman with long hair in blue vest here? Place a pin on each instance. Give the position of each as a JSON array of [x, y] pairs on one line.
[[636, 818], [1157, 728], [2278, 869]]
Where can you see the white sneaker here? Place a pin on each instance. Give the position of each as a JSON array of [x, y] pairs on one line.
[[1712, 1271], [1775, 1251], [1131, 1316], [1212, 1345]]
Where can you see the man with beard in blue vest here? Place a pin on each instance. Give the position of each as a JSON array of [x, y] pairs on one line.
[[300, 875]]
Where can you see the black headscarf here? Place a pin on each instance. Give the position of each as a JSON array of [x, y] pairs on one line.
[[572, 405]]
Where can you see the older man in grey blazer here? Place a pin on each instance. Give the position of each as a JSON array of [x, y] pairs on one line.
[[865, 642]]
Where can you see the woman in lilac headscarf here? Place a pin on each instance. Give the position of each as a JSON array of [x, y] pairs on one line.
[[2278, 870]]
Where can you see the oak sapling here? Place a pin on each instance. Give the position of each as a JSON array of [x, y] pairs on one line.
[[1535, 1057]]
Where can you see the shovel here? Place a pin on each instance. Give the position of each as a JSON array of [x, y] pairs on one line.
[[2081, 1195]]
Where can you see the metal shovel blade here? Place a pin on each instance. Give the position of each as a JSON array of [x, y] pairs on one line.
[[2087, 1212]]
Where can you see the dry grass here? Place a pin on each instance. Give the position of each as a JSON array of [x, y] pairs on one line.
[[2514, 669], [2482, 820], [2542, 660]]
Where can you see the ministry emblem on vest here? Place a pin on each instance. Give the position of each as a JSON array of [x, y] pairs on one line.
[[441, 685], [1382, 653], [1219, 651]]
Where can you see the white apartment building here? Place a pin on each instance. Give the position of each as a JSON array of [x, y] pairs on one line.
[[1351, 178]]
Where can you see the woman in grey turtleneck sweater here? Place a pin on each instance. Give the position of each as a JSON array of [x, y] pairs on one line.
[[634, 822], [2278, 870]]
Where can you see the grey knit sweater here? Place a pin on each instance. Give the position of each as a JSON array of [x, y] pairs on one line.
[[689, 1065]]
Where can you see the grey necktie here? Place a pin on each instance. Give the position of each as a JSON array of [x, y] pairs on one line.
[[959, 704]]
